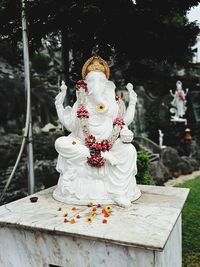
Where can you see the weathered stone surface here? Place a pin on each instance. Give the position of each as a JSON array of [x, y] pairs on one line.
[[159, 173], [147, 224]]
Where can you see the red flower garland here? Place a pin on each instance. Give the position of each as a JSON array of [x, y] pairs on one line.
[[95, 159], [82, 84], [82, 112], [119, 121]]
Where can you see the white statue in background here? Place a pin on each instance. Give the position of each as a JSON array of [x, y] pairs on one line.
[[161, 135], [160, 138], [96, 162], [179, 102]]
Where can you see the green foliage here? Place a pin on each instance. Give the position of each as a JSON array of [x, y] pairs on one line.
[[40, 63], [191, 224], [143, 165], [13, 106], [160, 29]]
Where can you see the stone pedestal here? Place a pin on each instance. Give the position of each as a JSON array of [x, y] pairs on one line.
[[146, 234]]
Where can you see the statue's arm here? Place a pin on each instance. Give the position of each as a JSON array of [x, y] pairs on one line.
[[171, 93], [130, 112], [64, 114]]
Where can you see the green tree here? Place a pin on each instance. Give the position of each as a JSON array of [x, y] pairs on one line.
[[129, 34]]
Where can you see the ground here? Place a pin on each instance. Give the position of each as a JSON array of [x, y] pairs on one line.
[[191, 224]]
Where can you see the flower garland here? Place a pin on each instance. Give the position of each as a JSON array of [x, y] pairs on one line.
[[95, 147]]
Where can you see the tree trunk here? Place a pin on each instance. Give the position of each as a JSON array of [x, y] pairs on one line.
[[65, 62]]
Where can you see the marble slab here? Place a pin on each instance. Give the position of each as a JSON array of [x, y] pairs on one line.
[[146, 224]]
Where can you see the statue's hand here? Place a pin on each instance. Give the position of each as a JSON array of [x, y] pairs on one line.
[[68, 108], [132, 93], [109, 157], [61, 96]]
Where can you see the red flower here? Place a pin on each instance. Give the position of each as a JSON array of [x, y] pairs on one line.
[[82, 112], [94, 209], [78, 216], [90, 140], [96, 161], [96, 146], [65, 220], [104, 221], [106, 215], [98, 205], [82, 84], [119, 121], [104, 211], [105, 145]]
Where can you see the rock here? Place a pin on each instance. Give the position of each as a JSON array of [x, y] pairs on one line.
[[184, 167], [159, 173], [192, 162], [171, 159], [45, 158], [195, 151]]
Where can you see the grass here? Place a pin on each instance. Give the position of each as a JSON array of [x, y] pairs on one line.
[[191, 224]]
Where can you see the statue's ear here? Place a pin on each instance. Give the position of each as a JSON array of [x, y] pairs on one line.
[[110, 85]]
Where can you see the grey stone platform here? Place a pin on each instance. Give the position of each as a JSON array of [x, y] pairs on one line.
[[148, 234]]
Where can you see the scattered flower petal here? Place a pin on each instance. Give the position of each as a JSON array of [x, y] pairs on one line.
[[72, 221], [104, 211], [89, 219], [108, 209]]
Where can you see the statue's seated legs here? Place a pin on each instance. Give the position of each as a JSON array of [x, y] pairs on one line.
[[122, 176], [109, 184], [71, 148]]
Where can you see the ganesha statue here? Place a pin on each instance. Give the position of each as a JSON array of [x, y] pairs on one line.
[[96, 161]]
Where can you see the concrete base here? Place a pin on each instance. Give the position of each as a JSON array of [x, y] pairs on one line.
[[146, 235]]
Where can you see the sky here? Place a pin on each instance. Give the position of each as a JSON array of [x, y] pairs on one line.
[[194, 15]]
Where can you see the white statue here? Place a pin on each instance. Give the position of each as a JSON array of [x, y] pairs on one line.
[[96, 162], [161, 135], [179, 102]]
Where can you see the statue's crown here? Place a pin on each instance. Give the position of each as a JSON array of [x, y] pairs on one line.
[[95, 63]]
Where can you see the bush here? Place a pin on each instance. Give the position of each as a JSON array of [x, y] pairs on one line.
[[143, 165]]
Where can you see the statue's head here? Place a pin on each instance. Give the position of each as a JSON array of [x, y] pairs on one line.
[[95, 64], [179, 85], [96, 73]]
